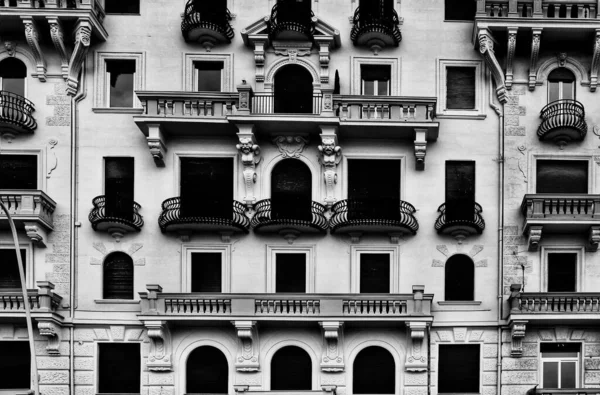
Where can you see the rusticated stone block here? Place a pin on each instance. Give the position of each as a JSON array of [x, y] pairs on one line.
[[592, 364], [519, 377], [490, 378], [415, 391], [516, 389], [57, 258], [53, 100], [60, 88], [117, 332], [84, 350], [489, 364], [514, 240], [58, 121], [40, 347], [54, 363], [84, 377], [86, 335], [520, 364], [529, 350], [54, 389], [415, 378], [591, 378], [62, 111], [490, 336], [81, 390], [592, 350], [489, 390], [84, 363], [519, 89], [156, 378], [512, 100], [490, 351], [511, 230], [161, 391], [515, 131], [54, 377]]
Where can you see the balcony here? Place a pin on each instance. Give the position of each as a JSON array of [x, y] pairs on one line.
[[568, 391], [537, 9], [16, 114], [563, 121], [376, 31], [357, 216], [31, 210], [43, 302], [289, 221], [566, 214], [460, 226], [200, 219], [208, 27], [117, 222], [291, 21]]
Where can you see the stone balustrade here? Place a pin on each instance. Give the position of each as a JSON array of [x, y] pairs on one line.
[[576, 9], [42, 300], [30, 209]]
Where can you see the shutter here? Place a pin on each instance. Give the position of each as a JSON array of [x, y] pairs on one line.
[[15, 365], [562, 272], [207, 371], [9, 268], [460, 190], [374, 372], [119, 368], [290, 273], [119, 187], [206, 271], [118, 276], [374, 273], [460, 88], [561, 176], [291, 370], [18, 171]]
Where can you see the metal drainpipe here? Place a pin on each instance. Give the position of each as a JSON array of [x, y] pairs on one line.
[[429, 360]]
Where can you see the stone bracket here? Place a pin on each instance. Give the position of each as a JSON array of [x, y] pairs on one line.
[[534, 237], [510, 55], [56, 32], [330, 155], [83, 32], [536, 38], [51, 331], [595, 62], [420, 148], [259, 59], [593, 238], [517, 333], [32, 37], [156, 144], [250, 156], [248, 349], [159, 358], [324, 43], [486, 48], [416, 355], [36, 233], [333, 337]]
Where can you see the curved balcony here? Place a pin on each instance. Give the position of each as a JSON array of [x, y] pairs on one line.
[[172, 219], [288, 23], [373, 216], [114, 223], [206, 28], [460, 227], [15, 114], [266, 220], [563, 121], [376, 31]]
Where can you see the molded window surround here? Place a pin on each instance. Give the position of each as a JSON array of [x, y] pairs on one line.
[[343, 169], [28, 263], [189, 70], [479, 111], [273, 250], [41, 164], [533, 169], [462, 365], [101, 81], [355, 253], [186, 273], [580, 264], [395, 73], [205, 154]]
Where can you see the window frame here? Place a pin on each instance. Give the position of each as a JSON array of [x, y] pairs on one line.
[[357, 250], [532, 185], [564, 249], [376, 82], [107, 87], [25, 82], [8, 391], [481, 358], [371, 156], [186, 267], [206, 154], [6, 244], [42, 176], [560, 86], [196, 76], [189, 77], [579, 368], [273, 250], [481, 86], [128, 13], [102, 284], [102, 81], [458, 20], [356, 83], [97, 362]]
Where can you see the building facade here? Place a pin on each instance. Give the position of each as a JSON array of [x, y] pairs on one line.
[[326, 196]]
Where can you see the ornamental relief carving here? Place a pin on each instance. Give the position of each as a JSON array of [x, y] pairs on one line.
[[290, 146]]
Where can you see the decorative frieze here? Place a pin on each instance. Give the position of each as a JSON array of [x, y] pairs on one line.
[[333, 335], [32, 37], [159, 359], [250, 157], [330, 156], [248, 348], [83, 32], [536, 38], [57, 35], [416, 354]]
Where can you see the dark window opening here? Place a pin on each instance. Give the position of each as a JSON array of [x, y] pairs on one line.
[[560, 364], [18, 171], [298, 11], [562, 272], [122, 6], [293, 86], [373, 194], [13, 73], [460, 191], [208, 76], [207, 371], [15, 365], [562, 176], [375, 273], [118, 276], [458, 369], [121, 74], [375, 79], [376, 9], [9, 268], [206, 188], [374, 372], [460, 10], [561, 85], [206, 271], [460, 278], [119, 368], [118, 187], [291, 370], [460, 88], [290, 273], [291, 191]]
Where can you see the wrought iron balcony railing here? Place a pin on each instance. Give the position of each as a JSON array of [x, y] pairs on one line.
[[460, 225], [373, 215], [379, 29], [269, 103], [563, 121], [576, 9], [268, 220], [128, 220], [208, 27], [290, 21], [208, 219], [16, 113], [42, 300]]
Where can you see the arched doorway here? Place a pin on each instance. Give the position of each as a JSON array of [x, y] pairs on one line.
[[460, 278], [118, 276], [291, 370], [291, 190], [12, 75], [374, 372], [293, 90], [207, 372]]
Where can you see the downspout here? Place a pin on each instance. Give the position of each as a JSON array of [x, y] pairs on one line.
[[429, 360]]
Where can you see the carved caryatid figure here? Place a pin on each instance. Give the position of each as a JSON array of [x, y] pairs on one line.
[[330, 157], [250, 156]]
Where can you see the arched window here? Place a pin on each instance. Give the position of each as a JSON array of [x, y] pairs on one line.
[[460, 278], [293, 90], [561, 85], [291, 370], [291, 190], [118, 276], [374, 372], [12, 76], [207, 371]]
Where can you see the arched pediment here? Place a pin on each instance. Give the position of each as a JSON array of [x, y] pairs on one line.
[[571, 64]]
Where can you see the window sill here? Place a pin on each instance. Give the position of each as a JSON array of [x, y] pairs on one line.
[[460, 115], [116, 301], [118, 110], [459, 302], [453, 306]]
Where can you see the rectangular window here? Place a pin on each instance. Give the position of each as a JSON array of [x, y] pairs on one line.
[[118, 187], [460, 190], [119, 368], [375, 79], [9, 268], [207, 271], [290, 272], [459, 10], [458, 369], [15, 365], [374, 273], [120, 77], [206, 187], [208, 76], [18, 172], [562, 272], [561, 176], [560, 365], [122, 6], [460, 88]]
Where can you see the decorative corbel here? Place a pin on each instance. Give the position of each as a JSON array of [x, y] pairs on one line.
[[517, 333], [330, 156], [333, 337], [324, 45], [486, 48], [595, 63], [259, 59], [593, 238], [156, 144], [159, 358], [290, 146], [535, 235], [536, 39], [51, 331], [247, 356], [510, 55], [420, 148], [83, 33], [36, 233], [56, 32], [32, 37], [416, 356], [250, 156]]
